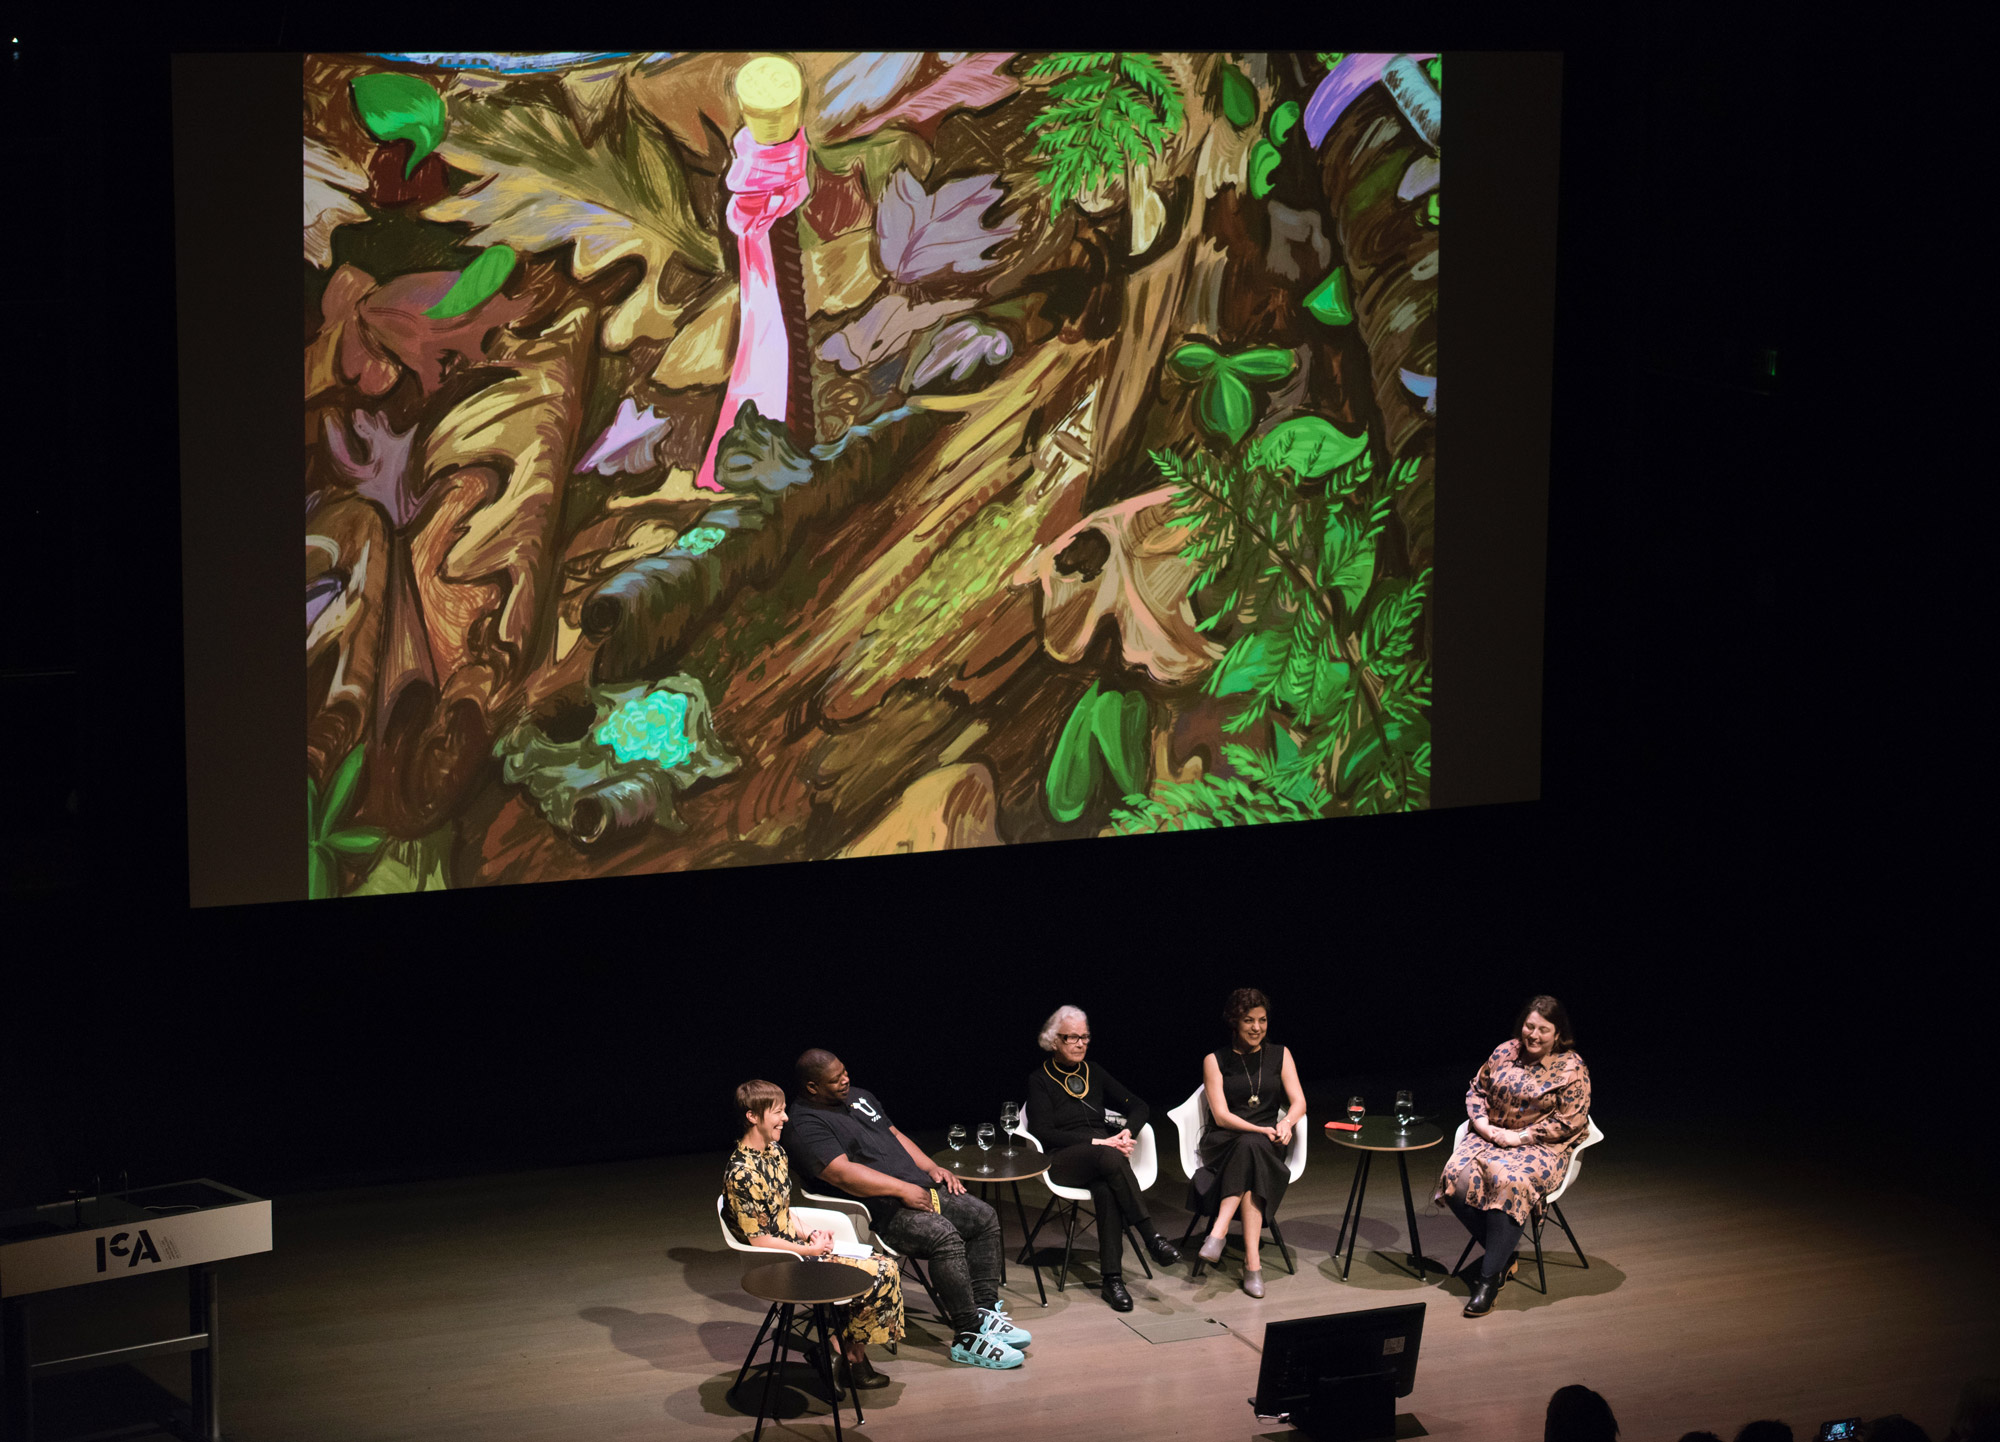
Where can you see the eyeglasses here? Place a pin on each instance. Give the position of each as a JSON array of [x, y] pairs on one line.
[[1072, 1036]]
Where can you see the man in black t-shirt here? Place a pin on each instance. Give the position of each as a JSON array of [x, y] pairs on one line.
[[842, 1137]]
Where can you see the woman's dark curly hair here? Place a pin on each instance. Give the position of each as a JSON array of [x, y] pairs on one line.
[[1243, 1001]]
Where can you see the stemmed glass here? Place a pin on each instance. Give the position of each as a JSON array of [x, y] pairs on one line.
[[985, 1138], [1010, 1118], [1356, 1110], [1405, 1107], [955, 1138]]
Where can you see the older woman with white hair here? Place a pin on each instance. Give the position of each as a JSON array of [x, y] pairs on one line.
[[1089, 1121]]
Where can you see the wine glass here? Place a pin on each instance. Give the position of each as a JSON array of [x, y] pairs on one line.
[[1356, 1110], [1010, 1118], [1405, 1107], [985, 1138], [955, 1138]]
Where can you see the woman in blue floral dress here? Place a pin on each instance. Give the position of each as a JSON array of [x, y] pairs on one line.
[[1528, 1107]]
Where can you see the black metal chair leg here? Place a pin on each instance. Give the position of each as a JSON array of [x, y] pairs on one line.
[[1069, 1242], [1283, 1251], [1541, 1273], [1029, 1246], [1563, 1222], [1139, 1247]]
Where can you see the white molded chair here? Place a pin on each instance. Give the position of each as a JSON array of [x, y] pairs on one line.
[[807, 1219], [856, 1214], [1145, 1161], [1551, 1202], [1192, 1120]]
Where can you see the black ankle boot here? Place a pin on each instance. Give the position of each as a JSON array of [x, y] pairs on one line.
[[1116, 1295], [1481, 1300], [860, 1375]]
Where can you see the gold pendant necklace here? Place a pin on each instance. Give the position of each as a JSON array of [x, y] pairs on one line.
[[1257, 1090], [1076, 1083]]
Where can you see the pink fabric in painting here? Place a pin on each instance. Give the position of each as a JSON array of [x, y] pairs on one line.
[[766, 182], [1550, 1101]]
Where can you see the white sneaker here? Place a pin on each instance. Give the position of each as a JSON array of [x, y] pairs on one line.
[[986, 1351]]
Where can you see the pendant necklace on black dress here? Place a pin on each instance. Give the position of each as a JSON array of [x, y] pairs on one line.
[[1076, 1083], [1257, 1090]]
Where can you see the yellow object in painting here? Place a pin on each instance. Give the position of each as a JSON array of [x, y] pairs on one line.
[[770, 89]]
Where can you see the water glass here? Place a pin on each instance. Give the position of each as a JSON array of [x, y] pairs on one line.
[[1356, 1110], [985, 1138], [1405, 1108], [1010, 1118], [955, 1138]]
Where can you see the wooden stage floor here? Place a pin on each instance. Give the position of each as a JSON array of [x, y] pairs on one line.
[[598, 1304]]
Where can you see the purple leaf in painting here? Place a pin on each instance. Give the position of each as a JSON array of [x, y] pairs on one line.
[[923, 234], [630, 443], [321, 592], [959, 347], [973, 82], [867, 82], [378, 462], [1354, 74], [884, 329]]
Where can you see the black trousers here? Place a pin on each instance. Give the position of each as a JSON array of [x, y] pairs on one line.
[[1114, 1195], [1499, 1233]]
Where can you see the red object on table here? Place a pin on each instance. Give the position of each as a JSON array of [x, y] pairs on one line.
[[1342, 1127]]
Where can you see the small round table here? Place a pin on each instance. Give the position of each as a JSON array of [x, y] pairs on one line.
[[1379, 1134], [1012, 1165], [787, 1286]]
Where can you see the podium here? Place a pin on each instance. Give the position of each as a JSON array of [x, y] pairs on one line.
[[186, 1226]]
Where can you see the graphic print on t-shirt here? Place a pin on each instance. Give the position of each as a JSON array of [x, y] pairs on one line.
[[859, 1104]]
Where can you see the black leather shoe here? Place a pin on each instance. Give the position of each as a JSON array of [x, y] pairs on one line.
[[861, 1374], [1162, 1251], [1116, 1295], [1481, 1300]]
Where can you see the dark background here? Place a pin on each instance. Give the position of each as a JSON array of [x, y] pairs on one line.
[[1745, 938]]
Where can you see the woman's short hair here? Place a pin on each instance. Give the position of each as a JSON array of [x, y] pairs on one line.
[[1243, 1001], [755, 1098], [1556, 1015], [1057, 1019]]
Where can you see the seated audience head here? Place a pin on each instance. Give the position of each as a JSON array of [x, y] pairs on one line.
[[1247, 1013], [1699, 1437], [1978, 1415], [1543, 1028], [1893, 1428], [1765, 1431], [760, 1104], [1067, 1034], [822, 1079], [1577, 1414]]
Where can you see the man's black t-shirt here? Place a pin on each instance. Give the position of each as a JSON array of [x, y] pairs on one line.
[[858, 1131]]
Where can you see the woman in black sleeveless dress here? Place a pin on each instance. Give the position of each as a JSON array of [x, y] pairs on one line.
[[1254, 1102]]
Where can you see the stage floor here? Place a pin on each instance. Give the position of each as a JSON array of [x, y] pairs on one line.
[[598, 1304]]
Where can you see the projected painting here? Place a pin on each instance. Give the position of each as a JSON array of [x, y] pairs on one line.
[[714, 459]]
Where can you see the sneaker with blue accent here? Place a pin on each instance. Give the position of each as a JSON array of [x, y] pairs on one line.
[[985, 1350], [995, 1323]]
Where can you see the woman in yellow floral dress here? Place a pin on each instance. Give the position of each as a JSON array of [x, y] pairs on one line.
[[757, 1187], [1528, 1107]]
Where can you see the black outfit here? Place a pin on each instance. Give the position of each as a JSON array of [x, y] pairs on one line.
[[1249, 1161], [1065, 1123], [961, 1240]]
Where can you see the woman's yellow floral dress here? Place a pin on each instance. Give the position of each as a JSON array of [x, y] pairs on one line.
[[758, 1186], [1550, 1101]]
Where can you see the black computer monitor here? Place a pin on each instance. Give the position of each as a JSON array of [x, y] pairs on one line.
[[1337, 1377]]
